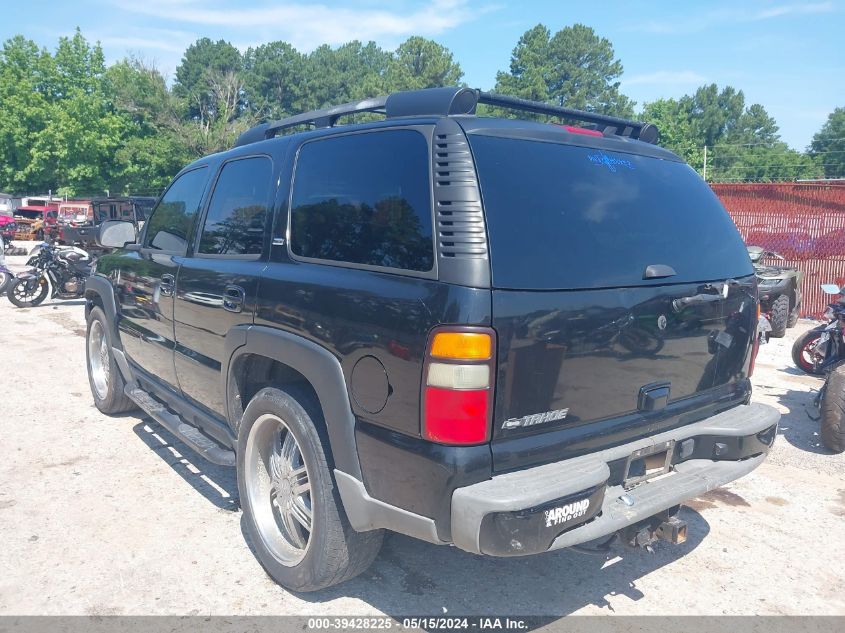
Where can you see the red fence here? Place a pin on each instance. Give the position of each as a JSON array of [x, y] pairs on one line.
[[804, 222]]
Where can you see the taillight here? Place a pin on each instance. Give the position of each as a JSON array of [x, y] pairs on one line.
[[581, 130], [755, 346], [458, 386]]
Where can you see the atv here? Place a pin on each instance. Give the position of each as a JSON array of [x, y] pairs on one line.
[[779, 288]]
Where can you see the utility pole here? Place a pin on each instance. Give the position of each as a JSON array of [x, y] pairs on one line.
[[704, 175]]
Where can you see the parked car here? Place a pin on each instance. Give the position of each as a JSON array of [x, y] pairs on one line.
[[8, 227], [36, 222], [133, 209], [75, 212], [493, 333], [779, 289]]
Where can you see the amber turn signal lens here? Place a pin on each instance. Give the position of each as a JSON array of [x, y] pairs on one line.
[[462, 345]]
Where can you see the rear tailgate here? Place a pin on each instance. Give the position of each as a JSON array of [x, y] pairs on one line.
[[593, 351]]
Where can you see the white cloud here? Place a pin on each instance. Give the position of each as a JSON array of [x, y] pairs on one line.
[[666, 78], [794, 9], [307, 26], [720, 17]]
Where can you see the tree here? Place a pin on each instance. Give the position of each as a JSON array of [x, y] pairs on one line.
[[421, 63], [828, 145], [347, 73], [152, 151], [58, 129], [713, 113], [202, 60], [676, 130], [574, 68], [26, 72], [274, 76]]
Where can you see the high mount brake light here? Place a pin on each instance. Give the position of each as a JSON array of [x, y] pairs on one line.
[[458, 386], [581, 130]]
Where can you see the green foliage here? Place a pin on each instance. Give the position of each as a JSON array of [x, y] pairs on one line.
[[274, 78], [676, 130], [828, 146], [70, 124], [743, 143], [420, 63], [574, 68]]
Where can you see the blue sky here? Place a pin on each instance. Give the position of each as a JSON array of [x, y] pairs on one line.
[[785, 54]]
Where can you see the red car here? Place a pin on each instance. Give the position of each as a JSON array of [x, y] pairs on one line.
[[7, 228], [37, 222]]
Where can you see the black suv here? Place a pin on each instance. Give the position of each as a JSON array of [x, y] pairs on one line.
[[506, 335]]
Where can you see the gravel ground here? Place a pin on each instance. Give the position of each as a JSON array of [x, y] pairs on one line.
[[114, 516]]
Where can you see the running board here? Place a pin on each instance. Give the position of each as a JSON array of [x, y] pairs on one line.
[[190, 435]]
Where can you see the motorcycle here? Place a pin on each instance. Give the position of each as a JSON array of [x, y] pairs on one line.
[[828, 356], [60, 272], [810, 350]]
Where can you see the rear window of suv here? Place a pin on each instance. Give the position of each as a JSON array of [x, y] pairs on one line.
[[569, 217]]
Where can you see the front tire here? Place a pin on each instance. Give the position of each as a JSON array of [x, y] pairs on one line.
[[802, 351], [833, 411], [104, 376], [23, 295], [780, 316], [292, 508]]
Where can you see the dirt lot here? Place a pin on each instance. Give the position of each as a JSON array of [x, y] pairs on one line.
[[114, 516]]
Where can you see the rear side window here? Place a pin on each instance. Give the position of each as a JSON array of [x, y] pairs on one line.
[[171, 221], [568, 217], [234, 224], [364, 199]]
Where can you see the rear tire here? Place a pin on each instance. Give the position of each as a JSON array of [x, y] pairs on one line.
[[833, 411], [17, 293], [780, 315], [302, 551], [104, 376], [802, 349]]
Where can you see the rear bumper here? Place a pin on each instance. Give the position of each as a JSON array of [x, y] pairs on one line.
[[581, 499]]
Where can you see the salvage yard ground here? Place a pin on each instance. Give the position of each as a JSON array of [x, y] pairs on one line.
[[106, 515]]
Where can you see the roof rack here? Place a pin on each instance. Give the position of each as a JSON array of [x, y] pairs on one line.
[[608, 124], [445, 102]]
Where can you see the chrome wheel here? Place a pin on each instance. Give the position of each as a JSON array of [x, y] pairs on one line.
[[278, 485], [98, 359]]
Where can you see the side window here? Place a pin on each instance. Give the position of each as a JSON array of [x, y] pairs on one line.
[[234, 224], [171, 221], [364, 199]]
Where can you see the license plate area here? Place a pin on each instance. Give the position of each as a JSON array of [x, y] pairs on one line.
[[648, 463]]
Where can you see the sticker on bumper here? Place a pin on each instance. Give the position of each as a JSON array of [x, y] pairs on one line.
[[565, 513]]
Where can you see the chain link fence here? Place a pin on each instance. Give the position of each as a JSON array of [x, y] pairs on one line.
[[802, 221]]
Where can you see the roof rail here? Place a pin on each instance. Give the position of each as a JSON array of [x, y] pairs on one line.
[[611, 125], [444, 102]]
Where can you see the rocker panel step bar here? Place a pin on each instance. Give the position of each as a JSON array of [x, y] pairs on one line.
[[195, 439]]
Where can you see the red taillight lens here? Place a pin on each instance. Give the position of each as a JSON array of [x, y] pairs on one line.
[[581, 130], [456, 416], [458, 386]]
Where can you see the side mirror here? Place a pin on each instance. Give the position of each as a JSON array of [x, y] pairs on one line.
[[116, 234]]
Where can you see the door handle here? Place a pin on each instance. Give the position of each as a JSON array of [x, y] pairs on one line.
[[167, 284], [233, 298]]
